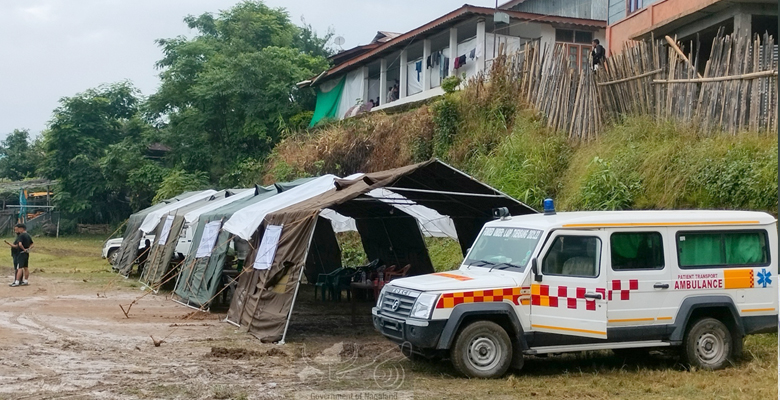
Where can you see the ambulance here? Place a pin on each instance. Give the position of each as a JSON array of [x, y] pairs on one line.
[[629, 281]]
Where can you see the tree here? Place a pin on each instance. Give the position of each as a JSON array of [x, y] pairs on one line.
[[224, 91], [17, 159], [80, 146]]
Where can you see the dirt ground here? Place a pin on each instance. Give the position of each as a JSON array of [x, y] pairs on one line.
[[61, 339], [66, 337]]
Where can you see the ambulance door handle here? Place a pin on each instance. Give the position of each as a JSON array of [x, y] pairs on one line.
[[661, 286], [590, 295]]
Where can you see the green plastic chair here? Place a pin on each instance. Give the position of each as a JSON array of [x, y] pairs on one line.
[[325, 283]]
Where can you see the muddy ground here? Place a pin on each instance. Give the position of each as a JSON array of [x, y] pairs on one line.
[[62, 339], [67, 338]]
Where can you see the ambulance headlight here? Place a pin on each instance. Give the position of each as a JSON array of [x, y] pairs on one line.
[[424, 305], [381, 297]]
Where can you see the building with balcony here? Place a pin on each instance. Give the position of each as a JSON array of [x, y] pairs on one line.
[[401, 68]]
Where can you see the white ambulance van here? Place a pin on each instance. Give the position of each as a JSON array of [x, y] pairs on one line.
[[624, 280]]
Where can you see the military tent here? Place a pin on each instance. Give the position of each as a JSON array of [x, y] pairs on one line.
[[128, 251], [284, 237]]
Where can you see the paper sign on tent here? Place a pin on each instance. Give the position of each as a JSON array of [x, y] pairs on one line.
[[208, 239], [166, 230], [267, 250]]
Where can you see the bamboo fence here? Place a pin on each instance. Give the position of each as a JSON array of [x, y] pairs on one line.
[[736, 92]]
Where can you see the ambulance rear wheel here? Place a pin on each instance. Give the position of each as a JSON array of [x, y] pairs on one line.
[[482, 350], [708, 344]]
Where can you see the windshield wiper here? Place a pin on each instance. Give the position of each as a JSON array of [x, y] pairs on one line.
[[481, 263], [503, 265]]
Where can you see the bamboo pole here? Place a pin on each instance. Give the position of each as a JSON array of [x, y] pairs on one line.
[[680, 53]]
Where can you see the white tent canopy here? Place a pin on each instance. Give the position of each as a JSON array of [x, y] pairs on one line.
[[431, 222], [245, 222], [153, 218], [238, 194]]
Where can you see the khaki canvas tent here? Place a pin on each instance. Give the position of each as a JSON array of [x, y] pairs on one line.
[[284, 242], [128, 250], [200, 276]]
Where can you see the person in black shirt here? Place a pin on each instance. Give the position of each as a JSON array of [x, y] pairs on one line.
[[597, 54], [20, 252]]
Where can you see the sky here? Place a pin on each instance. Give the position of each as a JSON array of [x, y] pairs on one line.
[[57, 48]]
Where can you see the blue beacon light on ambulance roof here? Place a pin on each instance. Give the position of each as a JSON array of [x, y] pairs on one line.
[[549, 207]]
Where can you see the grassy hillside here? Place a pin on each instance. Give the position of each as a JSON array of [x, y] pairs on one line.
[[636, 163], [484, 130]]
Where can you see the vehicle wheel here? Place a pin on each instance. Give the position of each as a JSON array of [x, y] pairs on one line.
[[111, 256], [708, 344], [482, 350]]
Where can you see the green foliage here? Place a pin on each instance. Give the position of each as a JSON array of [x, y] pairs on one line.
[[528, 163], [224, 91], [644, 165], [445, 253], [445, 119], [82, 130], [17, 156], [605, 189], [450, 83], [745, 177], [178, 182], [352, 253]]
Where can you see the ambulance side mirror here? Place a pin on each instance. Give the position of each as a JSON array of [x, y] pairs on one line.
[[535, 270]]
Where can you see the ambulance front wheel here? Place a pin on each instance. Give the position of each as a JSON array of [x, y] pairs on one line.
[[708, 344], [482, 350]]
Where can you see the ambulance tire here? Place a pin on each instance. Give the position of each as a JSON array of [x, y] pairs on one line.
[[482, 350], [708, 344]]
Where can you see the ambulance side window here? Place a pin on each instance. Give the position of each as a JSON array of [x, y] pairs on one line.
[[637, 251], [573, 256], [722, 248]]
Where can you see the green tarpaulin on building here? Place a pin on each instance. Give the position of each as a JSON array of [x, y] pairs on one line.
[[327, 102]]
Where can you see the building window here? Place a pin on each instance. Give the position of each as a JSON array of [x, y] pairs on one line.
[[634, 6], [577, 44], [583, 37], [571, 36], [564, 35]]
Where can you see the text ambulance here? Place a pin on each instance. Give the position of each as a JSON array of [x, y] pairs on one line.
[[554, 283]]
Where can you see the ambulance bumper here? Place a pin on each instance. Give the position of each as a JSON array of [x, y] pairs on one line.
[[420, 334]]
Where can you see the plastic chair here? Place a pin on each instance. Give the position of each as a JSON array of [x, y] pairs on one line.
[[342, 282], [325, 282], [397, 273]]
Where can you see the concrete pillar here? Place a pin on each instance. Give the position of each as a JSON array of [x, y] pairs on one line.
[[426, 75], [743, 23], [480, 45], [383, 81], [365, 85], [453, 49], [404, 75]]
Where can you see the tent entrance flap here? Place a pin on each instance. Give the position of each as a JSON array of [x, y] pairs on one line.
[[324, 254]]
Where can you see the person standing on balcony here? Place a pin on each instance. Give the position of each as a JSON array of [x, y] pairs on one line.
[[597, 55]]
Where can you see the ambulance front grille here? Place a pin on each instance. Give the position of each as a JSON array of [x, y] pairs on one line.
[[405, 303]]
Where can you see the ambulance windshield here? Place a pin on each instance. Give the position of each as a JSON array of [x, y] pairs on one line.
[[503, 248]]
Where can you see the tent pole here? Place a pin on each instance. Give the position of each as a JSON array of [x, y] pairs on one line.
[[300, 275], [295, 295], [465, 194]]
